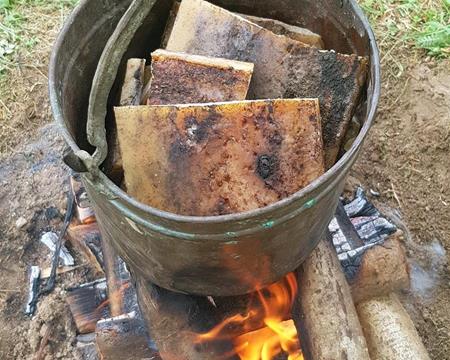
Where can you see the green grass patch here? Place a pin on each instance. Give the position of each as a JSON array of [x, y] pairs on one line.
[[16, 34], [423, 24]]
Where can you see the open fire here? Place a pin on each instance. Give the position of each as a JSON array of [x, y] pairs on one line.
[[278, 334]]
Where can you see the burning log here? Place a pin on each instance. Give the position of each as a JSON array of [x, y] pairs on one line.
[[302, 35], [115, 279], [324, 314], [45, 273], [88, 241], [174, 320], [179, 78], [389, 330], [280, 62], [124, 337], [245, 154], [383, 270]]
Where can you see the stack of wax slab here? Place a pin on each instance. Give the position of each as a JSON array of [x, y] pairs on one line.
[[284, 67]]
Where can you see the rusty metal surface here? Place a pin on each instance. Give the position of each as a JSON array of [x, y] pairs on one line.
[[222, 255]]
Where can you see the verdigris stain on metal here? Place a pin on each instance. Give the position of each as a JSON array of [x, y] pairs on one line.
[[310, 204], [181, 253], [268, 224]]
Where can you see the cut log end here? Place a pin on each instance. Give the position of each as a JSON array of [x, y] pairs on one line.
[[384, 269], [390, 331], [175, 320]]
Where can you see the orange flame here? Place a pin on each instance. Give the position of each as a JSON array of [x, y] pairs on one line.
[[118, 293], [278, 334]]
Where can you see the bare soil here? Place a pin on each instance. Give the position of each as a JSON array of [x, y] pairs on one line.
[[406, 159]]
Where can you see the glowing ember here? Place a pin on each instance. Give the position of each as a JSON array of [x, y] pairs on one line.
[[279, 336]]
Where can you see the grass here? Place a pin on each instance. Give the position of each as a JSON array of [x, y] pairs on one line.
[[420, 24], [17, 35], [409, 32], [27, 32]]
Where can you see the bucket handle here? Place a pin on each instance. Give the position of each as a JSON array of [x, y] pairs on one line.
[[104, 79]]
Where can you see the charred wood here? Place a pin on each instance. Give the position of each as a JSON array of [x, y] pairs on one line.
[[88, 304], [88, 241], [175, 320], [124, 337]]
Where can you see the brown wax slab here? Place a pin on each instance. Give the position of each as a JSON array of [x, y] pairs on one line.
[[179, 78], [133, 82], [278, 27], [284, 68], [300, 34], [169, 24], [130, 94], [222, 158]]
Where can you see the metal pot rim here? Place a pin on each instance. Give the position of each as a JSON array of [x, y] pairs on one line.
[[242, 216]]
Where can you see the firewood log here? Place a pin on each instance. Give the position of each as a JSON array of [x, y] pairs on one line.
[[175, 320], [114, 280], [389, 330], [384, 269], [324, 314], [284, 68], [302, 35], [88, 305], [179, 78], [216, 159]]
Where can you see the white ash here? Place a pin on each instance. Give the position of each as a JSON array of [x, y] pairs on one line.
[[35, 274], [50, 239], [21, 222]]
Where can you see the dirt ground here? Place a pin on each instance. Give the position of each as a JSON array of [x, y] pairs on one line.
[[406, 159]]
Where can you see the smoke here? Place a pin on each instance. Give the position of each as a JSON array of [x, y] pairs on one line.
[[426, 277]]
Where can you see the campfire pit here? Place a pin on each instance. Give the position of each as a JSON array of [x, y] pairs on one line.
[[206, 285]]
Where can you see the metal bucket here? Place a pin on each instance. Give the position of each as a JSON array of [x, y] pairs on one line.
[[223, 255]]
